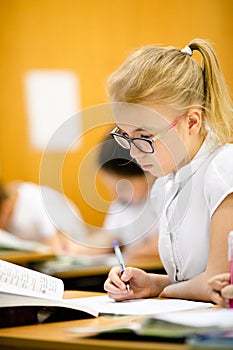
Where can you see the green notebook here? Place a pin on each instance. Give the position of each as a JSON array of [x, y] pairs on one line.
[[174, 326]]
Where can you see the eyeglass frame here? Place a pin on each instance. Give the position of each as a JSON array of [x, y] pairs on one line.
[[151, 141]]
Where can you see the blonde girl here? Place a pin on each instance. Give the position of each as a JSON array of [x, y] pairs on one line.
[[174, 113]]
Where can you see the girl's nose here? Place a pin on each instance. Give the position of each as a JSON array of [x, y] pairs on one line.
[[135, 152]]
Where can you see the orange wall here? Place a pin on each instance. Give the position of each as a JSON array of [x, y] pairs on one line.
[[90, 38]]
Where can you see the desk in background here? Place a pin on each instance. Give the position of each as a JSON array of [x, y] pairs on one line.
[[91, 276], [54, 336], [85, 277], [24, 258]]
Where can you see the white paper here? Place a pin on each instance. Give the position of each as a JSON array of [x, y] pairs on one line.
[[52, 99], [16, 279], [106, 305]]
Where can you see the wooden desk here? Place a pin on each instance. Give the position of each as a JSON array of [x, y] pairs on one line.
[[24, 257], [54, 336]]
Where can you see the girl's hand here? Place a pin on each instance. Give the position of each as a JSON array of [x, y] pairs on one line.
[[219, 289], [140, 284]]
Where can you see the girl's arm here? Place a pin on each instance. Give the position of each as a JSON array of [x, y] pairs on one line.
[[197, 287]]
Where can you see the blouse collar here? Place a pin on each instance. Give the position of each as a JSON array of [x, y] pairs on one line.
[[208, 146]]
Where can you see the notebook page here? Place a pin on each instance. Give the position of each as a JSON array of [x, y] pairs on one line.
[[16, 279], [106, 305]]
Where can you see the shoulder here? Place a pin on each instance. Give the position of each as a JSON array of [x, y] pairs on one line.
[[28, 188], [218, 180], [221, 163], [29, 194]]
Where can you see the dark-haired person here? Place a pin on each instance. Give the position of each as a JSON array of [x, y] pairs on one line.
[[131, 217]]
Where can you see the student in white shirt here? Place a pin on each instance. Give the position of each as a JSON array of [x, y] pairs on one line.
[[130, 217], [41, 214], [175, 116]]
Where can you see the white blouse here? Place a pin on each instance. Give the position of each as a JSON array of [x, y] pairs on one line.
[[185, 201]]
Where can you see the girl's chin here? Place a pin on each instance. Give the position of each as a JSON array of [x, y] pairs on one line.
[[155, 170]]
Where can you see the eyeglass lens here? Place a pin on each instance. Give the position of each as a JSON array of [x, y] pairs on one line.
[[142, 145]]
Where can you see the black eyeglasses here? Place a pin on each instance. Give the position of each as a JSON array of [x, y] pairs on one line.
[[145, 145]]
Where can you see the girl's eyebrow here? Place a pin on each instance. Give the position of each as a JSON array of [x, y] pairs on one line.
[[139, 129], [136, 130], [145, 130]]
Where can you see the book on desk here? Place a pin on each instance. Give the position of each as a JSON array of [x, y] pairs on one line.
[[39, 297], [24, 292]]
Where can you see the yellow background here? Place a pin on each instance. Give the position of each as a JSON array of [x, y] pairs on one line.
[[90, 38]]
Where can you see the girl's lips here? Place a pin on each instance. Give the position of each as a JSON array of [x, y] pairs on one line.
[[145, 166]]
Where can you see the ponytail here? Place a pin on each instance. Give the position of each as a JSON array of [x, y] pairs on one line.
[[218, 104]]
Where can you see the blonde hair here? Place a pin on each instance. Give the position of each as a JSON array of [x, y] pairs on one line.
[[168, 76]]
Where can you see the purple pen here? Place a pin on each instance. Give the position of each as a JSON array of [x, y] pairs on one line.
[[120, 261]]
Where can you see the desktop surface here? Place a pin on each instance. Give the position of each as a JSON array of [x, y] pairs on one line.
[[55, 335]]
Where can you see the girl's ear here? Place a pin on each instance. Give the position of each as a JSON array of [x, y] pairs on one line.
[[194, 122]]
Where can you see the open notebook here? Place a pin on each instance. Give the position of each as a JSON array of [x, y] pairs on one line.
[[22, 287]]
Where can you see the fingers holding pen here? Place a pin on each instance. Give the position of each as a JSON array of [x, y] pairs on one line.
[[219, 289], [115, 284], [140, 284], [116, 278]]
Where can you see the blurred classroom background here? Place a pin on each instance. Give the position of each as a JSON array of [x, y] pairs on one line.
[[55, 58]]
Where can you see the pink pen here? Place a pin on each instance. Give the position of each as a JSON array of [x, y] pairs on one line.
[[230, 258]]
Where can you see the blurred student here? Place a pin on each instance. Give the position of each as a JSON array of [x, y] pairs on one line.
[[130, 218], [41, 214]]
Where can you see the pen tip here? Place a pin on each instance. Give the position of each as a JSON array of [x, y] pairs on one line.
[[115, 243]]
